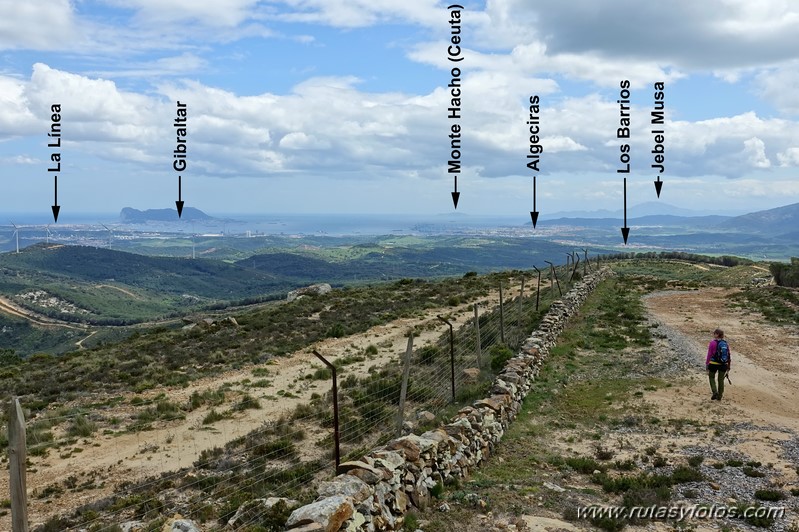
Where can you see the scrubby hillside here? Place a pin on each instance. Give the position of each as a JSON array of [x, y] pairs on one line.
[[245, 409]]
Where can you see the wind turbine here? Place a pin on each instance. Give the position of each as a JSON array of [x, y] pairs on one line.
[[16, 234], [49, 234], [110, 234]]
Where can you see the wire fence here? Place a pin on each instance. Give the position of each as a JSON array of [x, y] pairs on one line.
[[213, 466]]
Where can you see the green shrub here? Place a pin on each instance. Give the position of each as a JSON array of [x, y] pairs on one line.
[[212, 417], [626, 465], [769, 495], [428, 354], [695, 461], [81, 427], [751, 472], [322, 374], [247, 402], [336, 331], [584, 465], [500, 354], [684, 474]]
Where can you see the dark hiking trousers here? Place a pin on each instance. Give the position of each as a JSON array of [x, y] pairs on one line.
[[712, 371]]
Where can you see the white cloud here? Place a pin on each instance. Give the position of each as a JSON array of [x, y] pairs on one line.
[[40, 25], [328, 125], [359, 13], [778, 86], [789, 157], [212, 13], [556, 144], [16, 118], [755, 153], [186, 63], [95, 108], [713, 34], [21, 159]]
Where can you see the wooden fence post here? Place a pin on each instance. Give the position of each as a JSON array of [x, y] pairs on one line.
[[17, 456], [501, 315], [479, 343], [519, 321], [406, 370]]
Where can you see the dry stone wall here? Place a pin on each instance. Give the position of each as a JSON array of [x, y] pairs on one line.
[[375, 492]]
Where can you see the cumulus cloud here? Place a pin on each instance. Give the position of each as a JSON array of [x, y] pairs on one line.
[[789, 157], [41, 25], [778, 86], [714, 34], [755, 153], [16, 117], [359, 13], [329, 125]]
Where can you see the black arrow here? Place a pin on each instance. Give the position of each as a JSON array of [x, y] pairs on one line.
[[179, 202], [456, 195], [56, 207], [534, 213], [658, 185], [625, 231]]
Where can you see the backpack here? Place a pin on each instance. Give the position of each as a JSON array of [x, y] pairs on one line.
[[722, 354]]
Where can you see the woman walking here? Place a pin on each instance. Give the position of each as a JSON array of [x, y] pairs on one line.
[[718, 362]]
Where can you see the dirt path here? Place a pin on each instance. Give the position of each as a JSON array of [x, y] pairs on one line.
[[13, 309], [126, 292], [114, 458], [764, 372]]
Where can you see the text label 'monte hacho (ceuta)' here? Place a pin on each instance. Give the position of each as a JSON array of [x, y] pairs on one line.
[[658, 133], [535, 135], [454, 54], [54, 138], [623, 132], [179, 154]]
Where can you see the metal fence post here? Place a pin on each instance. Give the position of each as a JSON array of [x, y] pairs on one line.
[[451, 355], [538, 289], [336, 440], [554, 276], [576, 264]]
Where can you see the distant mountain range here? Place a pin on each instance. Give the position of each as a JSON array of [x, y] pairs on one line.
[[129, 215], [780, 221], [772, 222], [651, 208], [656, 220]]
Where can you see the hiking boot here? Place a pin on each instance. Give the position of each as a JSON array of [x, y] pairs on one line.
[[715, 397]]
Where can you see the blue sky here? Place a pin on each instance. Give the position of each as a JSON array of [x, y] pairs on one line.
[[339, 106]]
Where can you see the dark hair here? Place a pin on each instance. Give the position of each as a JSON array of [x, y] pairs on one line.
[[719, 332]]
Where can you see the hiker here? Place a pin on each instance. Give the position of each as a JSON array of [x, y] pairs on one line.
[[718, 363]]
